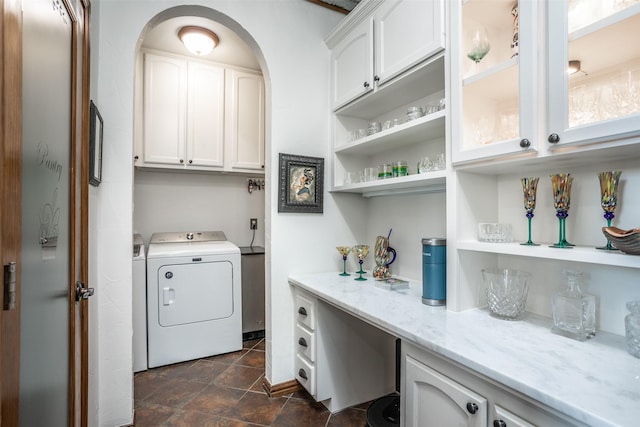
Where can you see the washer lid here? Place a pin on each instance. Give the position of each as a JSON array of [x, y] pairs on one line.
[[190, 236]]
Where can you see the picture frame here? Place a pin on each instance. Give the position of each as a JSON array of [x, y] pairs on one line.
[[95, 145], [301, 184]]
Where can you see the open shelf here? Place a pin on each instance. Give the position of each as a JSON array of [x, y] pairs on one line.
[[425, 128], [582, 254], [429, 182]]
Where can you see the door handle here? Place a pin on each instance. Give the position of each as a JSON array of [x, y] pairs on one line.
[[82, 292]]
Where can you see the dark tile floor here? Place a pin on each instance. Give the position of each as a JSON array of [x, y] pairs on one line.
[[226, 391]]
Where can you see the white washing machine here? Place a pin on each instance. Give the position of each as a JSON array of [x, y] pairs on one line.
[[139, 305], [194, 298]]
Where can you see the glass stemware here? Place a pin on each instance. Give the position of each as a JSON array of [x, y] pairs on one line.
[[479, 46], [529, 187], [609, 199], [344, 251], [561, 187], [361, 252]]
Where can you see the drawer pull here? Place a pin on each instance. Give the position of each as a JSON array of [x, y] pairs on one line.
[[472, 408], [302, 374], [302, 311], [302, 342], [499, 423]]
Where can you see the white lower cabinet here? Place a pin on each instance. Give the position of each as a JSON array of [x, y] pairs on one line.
[[438, 392], [340, 360]]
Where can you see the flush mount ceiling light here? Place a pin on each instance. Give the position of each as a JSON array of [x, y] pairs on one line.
[[574, 67], [199, 41]]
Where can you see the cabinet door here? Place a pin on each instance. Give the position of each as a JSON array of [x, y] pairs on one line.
[[165, 83], [494, 101], [205, 115], [352, 65], [601, 101], [245, 108], [406, 32], [431, 399], [504, 418]]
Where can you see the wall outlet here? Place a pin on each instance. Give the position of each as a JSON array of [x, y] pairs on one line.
[[253, 223]]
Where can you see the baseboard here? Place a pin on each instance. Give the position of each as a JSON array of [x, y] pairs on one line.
[[253, 335], [281, 389]]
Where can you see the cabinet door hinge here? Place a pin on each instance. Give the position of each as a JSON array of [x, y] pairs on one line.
[[10, 286]]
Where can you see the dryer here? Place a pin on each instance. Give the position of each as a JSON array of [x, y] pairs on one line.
[[194, 302]]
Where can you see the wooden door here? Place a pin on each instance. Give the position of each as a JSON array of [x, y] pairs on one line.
[[43, 190]]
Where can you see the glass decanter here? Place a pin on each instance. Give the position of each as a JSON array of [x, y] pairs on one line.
[[574, 312]]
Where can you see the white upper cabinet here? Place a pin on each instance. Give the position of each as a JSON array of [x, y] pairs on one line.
[[383, 40], [205, 115], [406, 32], [165, 103], [198, 115], [245, 120], [494, 99], [601, 101]]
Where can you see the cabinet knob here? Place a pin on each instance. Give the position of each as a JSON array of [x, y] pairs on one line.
[[302, 374], [472, 407], [554, 138], [365, 84], [302, 342], [302, 311], [525, 143], [190, 161], [499, 423], [376, 78], [181, 161]]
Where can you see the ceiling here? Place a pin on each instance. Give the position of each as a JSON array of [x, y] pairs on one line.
[[232, 50]]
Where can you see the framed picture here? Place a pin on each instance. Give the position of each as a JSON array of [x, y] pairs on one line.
[[95, 146], [301, 184]]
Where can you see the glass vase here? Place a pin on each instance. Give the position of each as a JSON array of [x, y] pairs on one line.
[[632, 328], [574, 312]]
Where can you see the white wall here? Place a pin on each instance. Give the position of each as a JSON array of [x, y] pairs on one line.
[[288, 38], [171, 201]]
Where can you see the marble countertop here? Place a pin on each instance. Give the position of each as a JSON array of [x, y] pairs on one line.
[[596, 382]]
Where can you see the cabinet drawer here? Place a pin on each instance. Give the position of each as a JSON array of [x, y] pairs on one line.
[[306, 374], [306, 311], [305, 343]]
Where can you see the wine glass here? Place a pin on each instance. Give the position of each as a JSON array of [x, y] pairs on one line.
[[361, 252], [479, 46], [609, 199], [344, 251], [561, 187], [529, 187]]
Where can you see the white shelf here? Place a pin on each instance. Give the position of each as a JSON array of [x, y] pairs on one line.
[[582, 254], [430, 182], [425, 128], [498, 83]]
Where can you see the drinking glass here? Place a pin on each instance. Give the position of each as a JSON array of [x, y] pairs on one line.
[[344, 251], [479, 46], [609, 199], [561, 188], [529, 187], [361, 252]]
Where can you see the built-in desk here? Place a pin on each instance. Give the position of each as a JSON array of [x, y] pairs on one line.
[[594, 382]]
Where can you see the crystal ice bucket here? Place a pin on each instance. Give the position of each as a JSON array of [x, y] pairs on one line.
[[507, 291]]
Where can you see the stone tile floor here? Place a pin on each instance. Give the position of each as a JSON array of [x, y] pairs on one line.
[[226, 391]]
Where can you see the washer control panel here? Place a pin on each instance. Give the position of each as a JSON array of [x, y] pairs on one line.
[[191, 236]]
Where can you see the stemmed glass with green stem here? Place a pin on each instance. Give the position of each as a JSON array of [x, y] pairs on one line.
[[361, 252], [561, 187], [479, 46], [529, 187], [609, 199], [344, 251]]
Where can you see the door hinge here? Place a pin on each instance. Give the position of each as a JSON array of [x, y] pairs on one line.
[[10, 286]]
